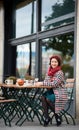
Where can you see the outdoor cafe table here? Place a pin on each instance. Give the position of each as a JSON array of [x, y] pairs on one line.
[[28, 101]]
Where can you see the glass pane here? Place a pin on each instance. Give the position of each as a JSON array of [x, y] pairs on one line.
[[25, 62], [62, 45], [33, 59], [25, 19], [57, 13]]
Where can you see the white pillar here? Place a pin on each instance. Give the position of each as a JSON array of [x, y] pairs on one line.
[[77, 57], [1, 38]]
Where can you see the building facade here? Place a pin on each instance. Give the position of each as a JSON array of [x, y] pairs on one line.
[[33, 30]]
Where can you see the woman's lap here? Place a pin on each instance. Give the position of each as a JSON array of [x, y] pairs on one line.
[[49, 95]]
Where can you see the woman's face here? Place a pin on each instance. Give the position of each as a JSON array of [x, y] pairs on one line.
[[54, 63]]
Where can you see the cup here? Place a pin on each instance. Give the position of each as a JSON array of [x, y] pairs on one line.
[[36, 79], [32, 82], [8, 81], [26, 82]]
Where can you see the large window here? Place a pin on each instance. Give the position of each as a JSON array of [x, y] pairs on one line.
[[57, 13], [57, 17], [62, 45]]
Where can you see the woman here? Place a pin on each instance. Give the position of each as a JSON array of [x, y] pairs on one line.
[[55, 97]]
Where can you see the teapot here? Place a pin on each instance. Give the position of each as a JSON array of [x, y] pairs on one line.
[[20, 82]]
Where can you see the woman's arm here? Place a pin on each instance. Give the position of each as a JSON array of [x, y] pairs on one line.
[[55, 81], [38, 84]]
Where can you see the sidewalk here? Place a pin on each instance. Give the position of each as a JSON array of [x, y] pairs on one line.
[[36, 126]]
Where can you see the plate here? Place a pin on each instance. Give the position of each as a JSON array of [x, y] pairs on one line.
[[27, 85]]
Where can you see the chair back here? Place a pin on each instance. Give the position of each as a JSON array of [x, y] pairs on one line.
[[69, 82]]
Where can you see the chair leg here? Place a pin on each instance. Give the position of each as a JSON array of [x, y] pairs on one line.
[[71, 118], [65, 113]]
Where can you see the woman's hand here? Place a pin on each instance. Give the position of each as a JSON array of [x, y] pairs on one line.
[[38, 84]]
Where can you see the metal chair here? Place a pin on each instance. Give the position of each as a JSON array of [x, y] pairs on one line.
[[69, 84], [6, 110]]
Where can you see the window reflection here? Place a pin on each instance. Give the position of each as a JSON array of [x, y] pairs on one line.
[[62, 45], [25, 19], [57, 12], [25, 61]]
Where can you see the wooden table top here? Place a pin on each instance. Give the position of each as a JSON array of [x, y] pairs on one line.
[[23, 86]]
